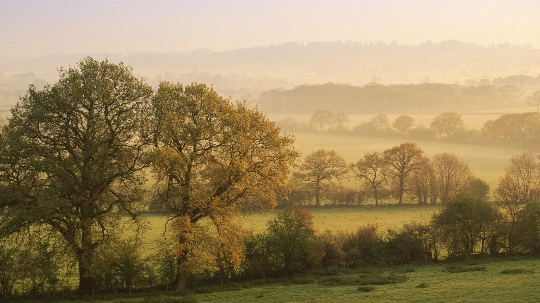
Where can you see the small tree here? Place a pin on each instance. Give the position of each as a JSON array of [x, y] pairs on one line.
[[341, 119], [520, 184], [403, 160], [534, 100], [465, 223], [319, 169], [447, 123], [403, 123], [380, 122], [373, 169], [321, 119], [452, 176], [291, 243]]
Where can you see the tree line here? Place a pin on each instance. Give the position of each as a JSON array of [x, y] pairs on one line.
[[375, 98], [77, 156], [513, 129], [395, 173]]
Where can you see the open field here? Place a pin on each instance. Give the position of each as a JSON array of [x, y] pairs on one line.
[[331, 218], [493, 280]]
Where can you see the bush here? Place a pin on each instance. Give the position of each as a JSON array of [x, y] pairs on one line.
[[409, 245], [288, 245], [119, 265], [365, 247]]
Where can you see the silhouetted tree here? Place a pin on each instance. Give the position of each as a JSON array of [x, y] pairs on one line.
[[319, 169], [404, 159]]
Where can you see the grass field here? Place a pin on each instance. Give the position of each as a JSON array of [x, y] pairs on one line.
[[493, 280], [324, 218]]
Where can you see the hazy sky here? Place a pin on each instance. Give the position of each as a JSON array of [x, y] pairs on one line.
[[43, 27]]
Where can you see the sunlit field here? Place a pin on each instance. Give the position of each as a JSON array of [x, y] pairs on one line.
[[492, 280], [324, 218]]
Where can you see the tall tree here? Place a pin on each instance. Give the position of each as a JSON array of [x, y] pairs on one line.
[[373, 170], [447, 123], [404, 159], [319, 169], [452, 176], [213, 158], [72, 158]]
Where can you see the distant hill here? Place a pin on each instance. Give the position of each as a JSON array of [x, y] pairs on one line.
[[246, 73]]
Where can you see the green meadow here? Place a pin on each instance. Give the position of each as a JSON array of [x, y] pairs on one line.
[[492, 280]]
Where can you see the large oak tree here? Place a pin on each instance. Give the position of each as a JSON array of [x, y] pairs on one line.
[[71, 158], [213, 158]]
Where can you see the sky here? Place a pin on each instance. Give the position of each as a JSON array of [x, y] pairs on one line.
[[38, 28]]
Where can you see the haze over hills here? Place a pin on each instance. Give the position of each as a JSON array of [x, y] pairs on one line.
[[246, 73]]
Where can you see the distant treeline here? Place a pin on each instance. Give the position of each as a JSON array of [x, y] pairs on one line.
[[375, 98]]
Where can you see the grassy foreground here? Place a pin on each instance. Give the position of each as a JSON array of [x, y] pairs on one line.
[[494, 280]]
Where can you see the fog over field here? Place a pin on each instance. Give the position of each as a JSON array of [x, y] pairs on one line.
[[249, 150]]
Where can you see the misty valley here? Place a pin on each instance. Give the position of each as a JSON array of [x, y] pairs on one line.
[[395, 180]]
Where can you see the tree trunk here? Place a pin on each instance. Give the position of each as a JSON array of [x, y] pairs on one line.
[[181, 271], [401, 186], [85, 256], [318, 194]]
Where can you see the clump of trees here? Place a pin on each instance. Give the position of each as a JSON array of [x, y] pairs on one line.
[[401, 172], [74, 158], [515, 129]]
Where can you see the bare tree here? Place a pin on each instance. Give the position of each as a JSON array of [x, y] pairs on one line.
[[373, 170], [404, 159], [340, 119], [380, 122], [403, 123], [520, 184], [452, 176], [534, 100]]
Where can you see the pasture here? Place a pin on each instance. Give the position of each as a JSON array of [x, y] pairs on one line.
[[324, 218], [492, 280]]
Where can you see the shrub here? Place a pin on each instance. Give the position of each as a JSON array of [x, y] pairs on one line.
[[119, 265], [409, 245], [289, 244], [364, 247]]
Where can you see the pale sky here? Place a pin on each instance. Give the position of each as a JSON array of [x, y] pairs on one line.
[[43, 27]]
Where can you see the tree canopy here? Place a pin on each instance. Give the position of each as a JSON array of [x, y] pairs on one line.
[[72, 157], [213, 158]]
